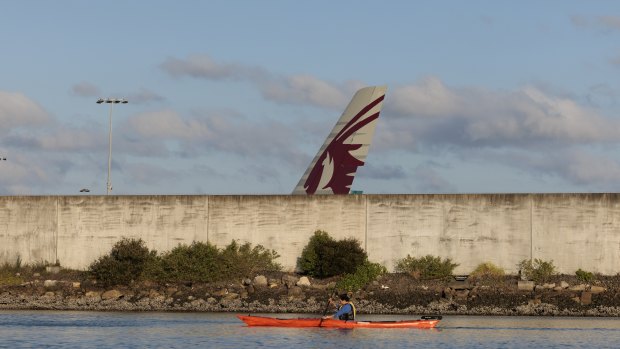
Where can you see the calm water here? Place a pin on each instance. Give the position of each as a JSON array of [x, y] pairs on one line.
[[43, 329]]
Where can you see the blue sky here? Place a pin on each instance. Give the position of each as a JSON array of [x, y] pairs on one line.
[[236, 97]]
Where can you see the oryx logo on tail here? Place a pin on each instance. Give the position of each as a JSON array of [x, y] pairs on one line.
[[332, 170]]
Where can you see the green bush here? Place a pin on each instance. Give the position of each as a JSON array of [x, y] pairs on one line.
[[584, 276], [537, 270], [125, 263], [204, 262], [195, 262], [487, 271], [363, 275], [324, 257], [427, 267], [244, 260]]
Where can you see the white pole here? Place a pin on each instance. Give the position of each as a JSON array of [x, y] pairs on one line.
[[109, 187]]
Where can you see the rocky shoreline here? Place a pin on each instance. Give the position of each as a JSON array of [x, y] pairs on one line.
[[290, 293]]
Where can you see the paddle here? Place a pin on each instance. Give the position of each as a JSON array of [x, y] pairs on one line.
[[329, 300]]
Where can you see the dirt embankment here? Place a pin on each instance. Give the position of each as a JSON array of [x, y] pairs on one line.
[[280, 293]]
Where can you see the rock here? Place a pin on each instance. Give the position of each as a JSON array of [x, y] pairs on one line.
[[230, 296], [92, 296], [52, 269], [190, 298], [243, 294], [250, 289], [76, 284], [539, 288], [597, 289], [111, 294], [211, 300], [221, 292], [558, 288], [564, 284], [247, 282], [170, 291], [303, 281], [36, 275], [525, 285], [549, 286], [50, 283], [289, 280], [260, 281], [153, 294], [580, 287], [586, 298], [273, 285], [295, 291]]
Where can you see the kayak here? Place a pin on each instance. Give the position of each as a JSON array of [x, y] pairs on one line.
[[424, 322]]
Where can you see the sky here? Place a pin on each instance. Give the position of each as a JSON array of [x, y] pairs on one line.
[[236, 97]]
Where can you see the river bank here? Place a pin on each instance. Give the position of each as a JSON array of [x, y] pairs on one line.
[[564, 295]]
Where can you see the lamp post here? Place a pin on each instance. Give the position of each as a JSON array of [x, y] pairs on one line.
[[110, 101]]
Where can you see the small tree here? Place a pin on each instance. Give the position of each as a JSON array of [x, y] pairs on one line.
[[427, 267], [124, 264], [324, 257], [537, 270], [487, 271]]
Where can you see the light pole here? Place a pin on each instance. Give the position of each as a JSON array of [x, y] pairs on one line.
[[110, 101]]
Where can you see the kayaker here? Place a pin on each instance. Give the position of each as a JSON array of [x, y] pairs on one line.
[[346, 309]]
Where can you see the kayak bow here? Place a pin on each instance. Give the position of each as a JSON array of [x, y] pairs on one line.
[[425, 322]]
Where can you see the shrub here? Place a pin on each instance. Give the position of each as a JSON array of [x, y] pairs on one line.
[[195, 262], [125, 263], [488, 271], [584, 276], [245, 260], [363, 275], [428, 267], [324, 257], [204, 262], [537, 270]]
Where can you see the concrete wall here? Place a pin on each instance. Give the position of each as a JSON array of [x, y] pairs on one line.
[[573, 230]]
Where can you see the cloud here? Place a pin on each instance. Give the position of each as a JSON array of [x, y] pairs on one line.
[[17, 110], [385, 172], [144, 96], [203, 66], [294, 89], [428, 180], [476, 117], [304, 89], [85, 89], [229, 133]]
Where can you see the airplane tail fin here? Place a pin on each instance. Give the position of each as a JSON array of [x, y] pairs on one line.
[[333, 168]]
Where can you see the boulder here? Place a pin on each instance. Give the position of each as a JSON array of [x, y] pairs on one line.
[[586, 298], [597, 289], [525, 285], [111, 294], [260, 281], [289, 280], [303, 281], [580, 287], [295, 291], [50, 283], [564, 284], [221, 292]]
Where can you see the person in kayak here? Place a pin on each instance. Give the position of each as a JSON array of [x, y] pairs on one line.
[[345, 311]]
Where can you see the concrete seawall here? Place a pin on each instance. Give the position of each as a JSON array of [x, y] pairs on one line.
[[573, 230]]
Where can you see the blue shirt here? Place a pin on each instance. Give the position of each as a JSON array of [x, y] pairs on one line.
[[344, 310]]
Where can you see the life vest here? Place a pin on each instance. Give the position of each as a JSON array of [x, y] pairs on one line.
[[350, 316]]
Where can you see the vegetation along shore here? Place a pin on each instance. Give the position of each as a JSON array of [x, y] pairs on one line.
[[247, 279]]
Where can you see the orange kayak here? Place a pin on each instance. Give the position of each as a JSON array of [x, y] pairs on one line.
[[425, 322]]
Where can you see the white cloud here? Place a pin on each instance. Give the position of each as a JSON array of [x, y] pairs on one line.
[[17, 110], [478, 117], [294, 89]]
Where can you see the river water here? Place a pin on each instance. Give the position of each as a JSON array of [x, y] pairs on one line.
[[63, 329]]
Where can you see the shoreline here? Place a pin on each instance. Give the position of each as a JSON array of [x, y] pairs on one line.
[[393, 294]]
